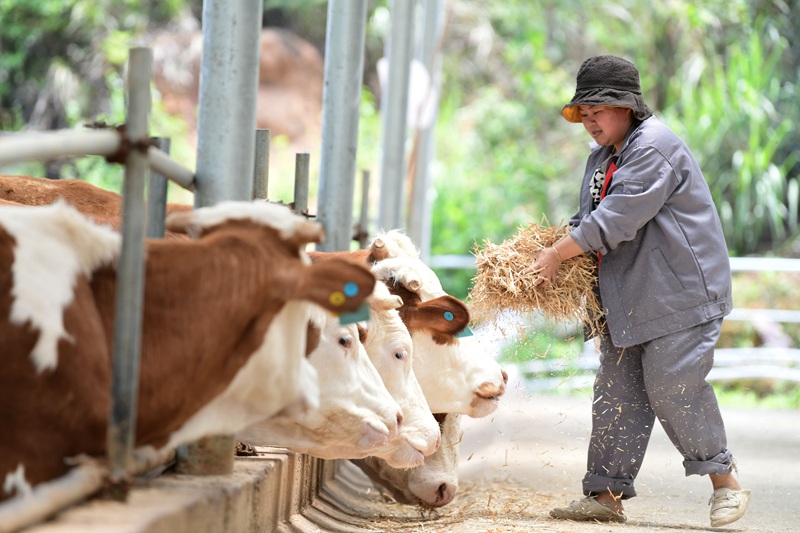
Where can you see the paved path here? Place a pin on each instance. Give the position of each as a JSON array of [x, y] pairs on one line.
[[537, 444]]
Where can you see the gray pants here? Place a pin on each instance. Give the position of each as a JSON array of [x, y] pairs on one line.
[[665, 379]]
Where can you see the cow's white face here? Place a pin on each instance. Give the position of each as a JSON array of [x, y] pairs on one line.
[[432, 484], [455, 373], [458, 378], [389, 347], [356, 413]]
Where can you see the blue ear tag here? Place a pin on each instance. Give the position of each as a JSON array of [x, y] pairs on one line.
[[350, 289], [359, 315], [466, 332]]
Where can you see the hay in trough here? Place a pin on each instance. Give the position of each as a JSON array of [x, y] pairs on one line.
[[500, 284]]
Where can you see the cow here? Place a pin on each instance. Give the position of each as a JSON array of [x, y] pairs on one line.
[[379, 357], [224, 329], [350, 421], [390, 348], [432, 484], [103, 206], [455, 373]]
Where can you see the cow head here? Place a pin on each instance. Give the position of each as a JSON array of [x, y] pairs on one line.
[[454, 373], [432, 484], [356, 415], [389, 346]]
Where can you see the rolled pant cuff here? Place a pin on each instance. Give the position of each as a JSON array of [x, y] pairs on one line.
[[722, 463], [595, 484]]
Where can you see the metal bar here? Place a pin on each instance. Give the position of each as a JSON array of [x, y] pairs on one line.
[[227, 100], [130, 274], [157, 197], [301, 183], [261, 170], [363, 221], [79, 483], [420, 205], [341, 97], [162, 163], [225, 150], [395, 116], [43, 146]]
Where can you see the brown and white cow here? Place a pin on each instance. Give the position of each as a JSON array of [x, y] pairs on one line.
[[223, 331], [390, 348], [103, 206], [357, 416], [432, 484]]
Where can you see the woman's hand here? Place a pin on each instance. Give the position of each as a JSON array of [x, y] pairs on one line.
[[545, 263]]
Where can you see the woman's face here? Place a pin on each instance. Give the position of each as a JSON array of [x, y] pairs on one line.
[[606, 124]]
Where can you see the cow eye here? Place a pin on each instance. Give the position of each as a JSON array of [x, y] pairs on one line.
[[399, 355], [345, 342]]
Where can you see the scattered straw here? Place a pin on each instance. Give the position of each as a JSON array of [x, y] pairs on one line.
[[500, 284]]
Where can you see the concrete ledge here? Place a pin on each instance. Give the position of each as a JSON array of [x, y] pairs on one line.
[[248, 500], [275, 491]]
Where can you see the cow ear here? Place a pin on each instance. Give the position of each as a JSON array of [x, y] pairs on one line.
[[385, 302], [181, 222], [338, 285], [446, 315], [306, 232], [379, 250]]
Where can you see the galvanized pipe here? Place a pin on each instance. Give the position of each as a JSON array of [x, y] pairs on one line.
[[44, 146], [395, 116], [162, 163], [227, 100], [420, 205], [363, 221], [157, 198], [130, 274], [79, 483], [261, 169], [301, 169], [341, 97], [48, 145]]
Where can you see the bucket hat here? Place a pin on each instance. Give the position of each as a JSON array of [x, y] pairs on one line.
[[607, 80]]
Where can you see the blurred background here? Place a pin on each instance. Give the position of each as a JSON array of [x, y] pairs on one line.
[[722, 73]]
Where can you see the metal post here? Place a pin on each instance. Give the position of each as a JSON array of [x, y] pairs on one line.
[[261, 170], [225, 152], [395, 115], [301, 183], [130, 277], [227, 106], [363, 221], [157, 197], [419, 216], [344, 66]]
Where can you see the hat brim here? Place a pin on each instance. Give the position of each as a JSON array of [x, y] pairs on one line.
[[609, 97]]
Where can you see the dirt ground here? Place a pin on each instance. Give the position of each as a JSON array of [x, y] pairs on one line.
[[530, 456]]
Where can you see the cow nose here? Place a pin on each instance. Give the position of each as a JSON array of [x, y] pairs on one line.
[[399, 419], [444, 494]]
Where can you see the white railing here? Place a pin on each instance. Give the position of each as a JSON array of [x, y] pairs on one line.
[[772, 363]]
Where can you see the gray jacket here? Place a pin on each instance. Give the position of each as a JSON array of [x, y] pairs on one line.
[[664, 263]]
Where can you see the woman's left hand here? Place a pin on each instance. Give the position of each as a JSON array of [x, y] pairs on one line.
[[545, 263]]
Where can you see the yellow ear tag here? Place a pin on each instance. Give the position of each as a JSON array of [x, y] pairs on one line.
[[337, 298]]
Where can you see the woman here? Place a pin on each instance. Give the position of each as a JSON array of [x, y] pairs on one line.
[[665, 285]]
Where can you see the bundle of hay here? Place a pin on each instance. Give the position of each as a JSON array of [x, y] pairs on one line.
[[500, 284]]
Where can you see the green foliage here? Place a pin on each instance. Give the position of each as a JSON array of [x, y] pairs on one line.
[[721, 73], [726, 109]]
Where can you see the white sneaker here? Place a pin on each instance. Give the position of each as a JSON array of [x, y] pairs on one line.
[[728, 506]]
